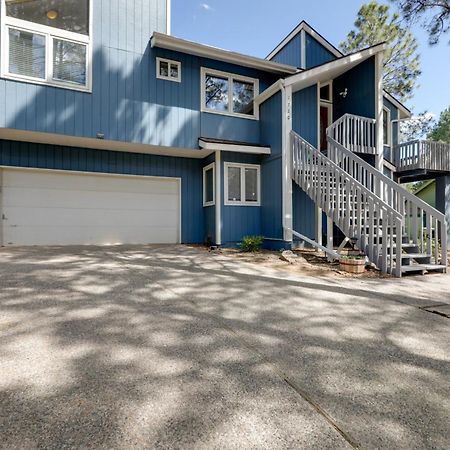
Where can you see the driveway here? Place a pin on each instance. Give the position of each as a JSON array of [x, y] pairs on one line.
[[172, 347]]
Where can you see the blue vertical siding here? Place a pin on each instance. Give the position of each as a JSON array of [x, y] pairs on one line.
[[128, 103], [25, 154], [239, 221], [316, 53], [291, 53], [271, 168], [360, 85], [304, 122]]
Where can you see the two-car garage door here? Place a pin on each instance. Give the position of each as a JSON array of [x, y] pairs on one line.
[[43, 207]]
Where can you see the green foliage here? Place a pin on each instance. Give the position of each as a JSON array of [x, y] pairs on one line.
[[433, 14], [441, 131], [375, 24], [251, 243]]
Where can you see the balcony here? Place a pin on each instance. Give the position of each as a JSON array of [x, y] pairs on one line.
[[422, 158]]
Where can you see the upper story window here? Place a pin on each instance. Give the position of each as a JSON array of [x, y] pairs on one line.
[[386, 126], [167, 69], [225, 93], [47, 42]]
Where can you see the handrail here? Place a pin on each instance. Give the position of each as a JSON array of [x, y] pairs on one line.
[[356, 210], [387, 181], [356, 133], [423, 225]]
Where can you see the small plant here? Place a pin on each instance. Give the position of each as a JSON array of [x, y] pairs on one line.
[[251, 243]]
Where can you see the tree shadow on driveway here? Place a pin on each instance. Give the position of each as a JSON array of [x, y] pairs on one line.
[[166, 347]]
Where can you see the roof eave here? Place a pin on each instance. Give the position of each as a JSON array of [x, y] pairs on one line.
[[161, 40]]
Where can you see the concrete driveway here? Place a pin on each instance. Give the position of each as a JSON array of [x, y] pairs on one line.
[[171, 347]]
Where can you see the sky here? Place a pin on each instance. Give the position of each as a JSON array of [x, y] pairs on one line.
[[255, 27]]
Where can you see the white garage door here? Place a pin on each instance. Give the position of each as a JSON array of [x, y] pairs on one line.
[[62, 208]]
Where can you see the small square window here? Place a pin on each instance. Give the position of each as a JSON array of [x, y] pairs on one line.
[[168, 70], [325, 92]]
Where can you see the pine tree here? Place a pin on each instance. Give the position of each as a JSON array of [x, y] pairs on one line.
[[435, 15], [375, 24], [441, 131]]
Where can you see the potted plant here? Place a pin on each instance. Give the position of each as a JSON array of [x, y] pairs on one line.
[[352, 264]]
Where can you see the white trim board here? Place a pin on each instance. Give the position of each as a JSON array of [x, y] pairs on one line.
[[303, 26], [237, 148], [161, 40]]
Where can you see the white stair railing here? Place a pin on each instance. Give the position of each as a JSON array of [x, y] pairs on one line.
[[423, 225], [356, 133], [354, 208]]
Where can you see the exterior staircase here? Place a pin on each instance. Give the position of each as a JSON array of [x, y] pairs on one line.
[[397, 231]]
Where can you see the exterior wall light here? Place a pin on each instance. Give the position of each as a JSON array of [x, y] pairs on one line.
[[52, 14]]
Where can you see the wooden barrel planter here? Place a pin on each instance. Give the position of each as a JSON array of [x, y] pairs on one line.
[[353, 265]]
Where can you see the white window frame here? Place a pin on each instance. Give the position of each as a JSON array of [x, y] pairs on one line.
[[168, 61], [212, 167], [230, 77], [389, 128], [49, 33], [321, 85], [242, 202]]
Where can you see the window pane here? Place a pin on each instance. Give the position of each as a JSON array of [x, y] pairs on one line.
[[26, 53], [251, 185], [216, 93], [70, 15], [234, 184], [209, 188], [243, 94], [385, 127], [69, 62], [164, 68], [325, 93], [174, 70]]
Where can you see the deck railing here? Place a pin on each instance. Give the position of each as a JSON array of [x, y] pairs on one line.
[[358, 134], [425, 155], [354, 208]]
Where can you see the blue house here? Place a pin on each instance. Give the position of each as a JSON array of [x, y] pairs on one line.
[[114, 131]]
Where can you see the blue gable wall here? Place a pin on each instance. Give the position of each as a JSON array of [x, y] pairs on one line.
[[316, 53], [360, 85], [22, 154], [304, 123], [290, 53]]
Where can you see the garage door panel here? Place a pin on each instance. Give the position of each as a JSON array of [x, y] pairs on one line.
[[91, 236], [44, 198], [41, 209], [91, 182]]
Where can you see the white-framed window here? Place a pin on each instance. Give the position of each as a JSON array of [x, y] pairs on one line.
[[47, 42], [326, 92], [242, 184], [209, 185], [229, 94], [166, 69], [387, 126]]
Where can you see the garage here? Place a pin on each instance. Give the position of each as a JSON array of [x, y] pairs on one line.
[[47, 207]]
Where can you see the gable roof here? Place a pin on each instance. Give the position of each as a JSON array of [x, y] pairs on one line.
[[424, 186], [405, 113], [165, 41], [312, 32]]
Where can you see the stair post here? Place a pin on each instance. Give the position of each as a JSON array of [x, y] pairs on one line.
[[379, 158]]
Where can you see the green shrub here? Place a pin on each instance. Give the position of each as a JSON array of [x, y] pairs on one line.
[[251, 243]]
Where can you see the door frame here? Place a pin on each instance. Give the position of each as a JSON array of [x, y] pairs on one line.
[[103, 174], [326, 103]]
